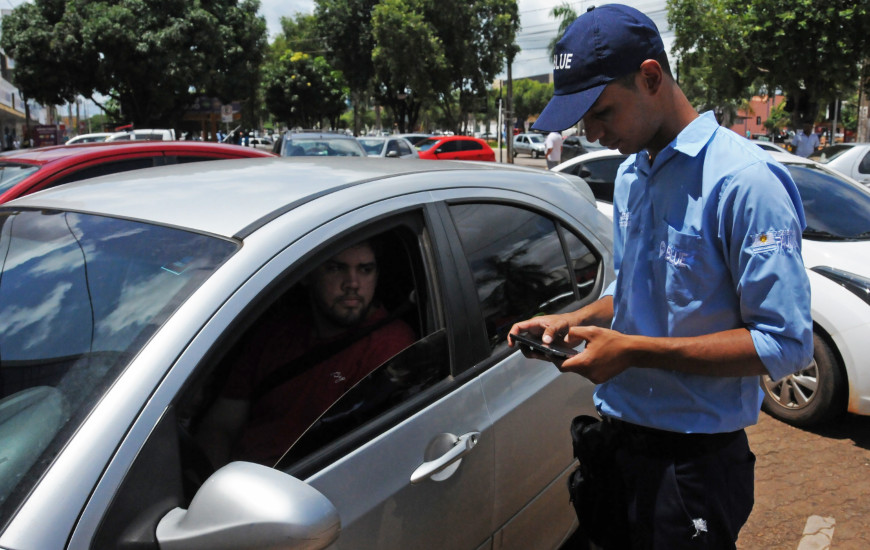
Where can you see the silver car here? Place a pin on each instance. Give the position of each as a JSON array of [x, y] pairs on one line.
[[530, 144], [124, 298], [388, 147]]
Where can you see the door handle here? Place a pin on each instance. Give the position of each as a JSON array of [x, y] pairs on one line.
[[462, 445]]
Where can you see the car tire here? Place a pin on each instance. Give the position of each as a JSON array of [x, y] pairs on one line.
[[514, 153], [810, 396]]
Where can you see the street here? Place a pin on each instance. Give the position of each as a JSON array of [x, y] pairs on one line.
[[810, 486]]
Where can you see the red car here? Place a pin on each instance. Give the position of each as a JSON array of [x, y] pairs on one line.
[[455, 148], [27, 170]]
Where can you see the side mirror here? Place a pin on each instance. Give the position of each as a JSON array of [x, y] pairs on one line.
[[245, 505], [392, 154], [584, 173]]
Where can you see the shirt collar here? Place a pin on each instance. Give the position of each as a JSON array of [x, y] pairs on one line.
[[690, 141]]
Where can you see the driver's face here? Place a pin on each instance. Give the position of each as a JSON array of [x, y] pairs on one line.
[[343, 286]]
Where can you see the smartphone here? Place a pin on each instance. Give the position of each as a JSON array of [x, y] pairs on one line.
[[535, 344]]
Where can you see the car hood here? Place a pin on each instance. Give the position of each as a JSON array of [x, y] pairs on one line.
[[851, 256]]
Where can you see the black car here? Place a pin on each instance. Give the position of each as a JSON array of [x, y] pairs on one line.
[[575, 145]]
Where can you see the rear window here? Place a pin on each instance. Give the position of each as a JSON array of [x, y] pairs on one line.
[[80, 295], [11, 174], [427, 144], [322, 147]]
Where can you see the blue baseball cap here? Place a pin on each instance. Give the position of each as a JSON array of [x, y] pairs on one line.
[[603, 44]]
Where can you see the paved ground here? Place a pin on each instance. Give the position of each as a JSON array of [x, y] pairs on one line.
[[814, 481]]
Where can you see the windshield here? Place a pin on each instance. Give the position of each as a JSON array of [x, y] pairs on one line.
[[427, 144], [835, 208], [536, 138], [11, 174], [830, 153], [80, 295], [319, 146], [372, 146]]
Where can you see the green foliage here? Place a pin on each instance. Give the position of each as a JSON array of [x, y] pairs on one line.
[[152, 56], [564, 13], [812, 50], [530, 97], [301, 90]]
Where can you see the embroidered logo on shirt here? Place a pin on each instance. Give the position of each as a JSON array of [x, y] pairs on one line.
[[672, 255], [337, 377], [624, 219], [773, 241]]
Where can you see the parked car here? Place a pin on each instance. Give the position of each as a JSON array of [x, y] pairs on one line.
[[529, 144], [836, 252], [88, 138], [318, 144], [25, 171], [263, 143], [389, 147], [769, 146], [123, 296], [455, 148], [414, 138], [143, 135], [851, 159]]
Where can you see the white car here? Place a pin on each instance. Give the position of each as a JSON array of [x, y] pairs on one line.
[[836, 252], [143, 135], [88, 138], [852, 159]]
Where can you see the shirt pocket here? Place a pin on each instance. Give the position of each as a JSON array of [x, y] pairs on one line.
[[682, 254]]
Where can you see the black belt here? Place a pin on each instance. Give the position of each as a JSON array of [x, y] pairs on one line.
[[652, 441]]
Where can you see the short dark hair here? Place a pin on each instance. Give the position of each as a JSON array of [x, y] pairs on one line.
[[627, 81]]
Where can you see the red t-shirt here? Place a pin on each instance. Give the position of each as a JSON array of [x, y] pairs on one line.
[[281, 415]]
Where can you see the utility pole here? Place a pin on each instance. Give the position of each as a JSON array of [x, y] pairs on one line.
[[509, 114]]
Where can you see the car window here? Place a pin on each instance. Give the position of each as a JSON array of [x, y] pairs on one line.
[[320, 147], [602, 175], [517, 258], [451, 146], [103, 169], [309, 379], [426, 144], [79, 296], [11, 174], [835, 209], [372, 146], [468, 145], [864, 167], [404, 148]]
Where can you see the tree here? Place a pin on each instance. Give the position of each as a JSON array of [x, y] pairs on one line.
[[152, 57], [345, 26], [302, 90], [564, 13], [811, 50], [530, 97]]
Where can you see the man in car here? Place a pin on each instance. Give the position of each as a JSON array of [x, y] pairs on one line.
[[710, 293], [297, 361]]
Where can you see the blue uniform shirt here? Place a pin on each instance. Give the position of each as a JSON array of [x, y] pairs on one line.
[[706, 239]]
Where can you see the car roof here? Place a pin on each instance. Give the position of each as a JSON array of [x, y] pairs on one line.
[[45, 155], [234, 197], [317, 135]]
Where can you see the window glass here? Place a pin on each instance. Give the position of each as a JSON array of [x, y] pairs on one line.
[[79, 297], [517, 261], [602, 175], [864, 167], [469, 145], [448, 147], [104, 169], [346, 342], [583, 261], [835, 209], [404, 149], [11, 174], [323, 147], [373, 146]]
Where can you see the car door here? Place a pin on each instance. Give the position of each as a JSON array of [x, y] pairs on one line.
[[522, 263], [403, 468]]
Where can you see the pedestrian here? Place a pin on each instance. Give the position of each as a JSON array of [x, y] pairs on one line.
[[805, 142], [710, 293], [553, 144]]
